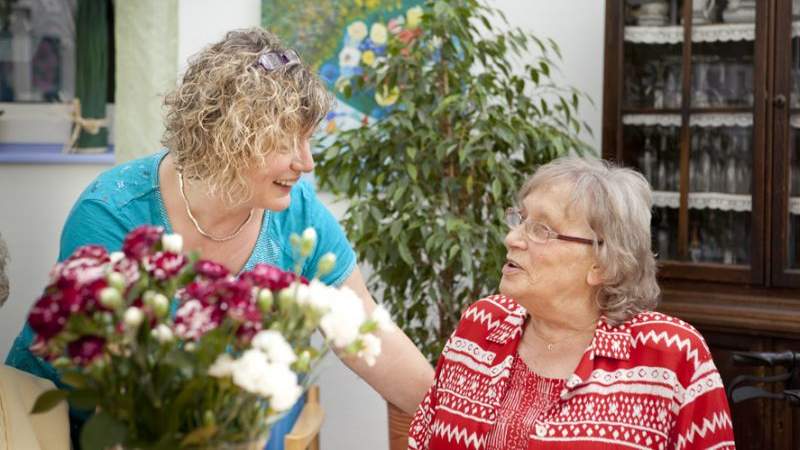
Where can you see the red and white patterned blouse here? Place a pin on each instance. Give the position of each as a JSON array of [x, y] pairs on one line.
[[649, 383]]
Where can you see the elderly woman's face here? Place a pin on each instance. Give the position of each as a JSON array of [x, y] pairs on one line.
[[540, 274], [272, 184]]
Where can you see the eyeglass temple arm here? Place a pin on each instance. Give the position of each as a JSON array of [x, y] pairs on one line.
[[577, 239]]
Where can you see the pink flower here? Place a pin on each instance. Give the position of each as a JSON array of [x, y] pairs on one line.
[[210, 269], [49, 315], [193, 320], [250, 323], [129, 270], [164, 265], [93, 252], [86, 349], [141, 241], [270, 277]]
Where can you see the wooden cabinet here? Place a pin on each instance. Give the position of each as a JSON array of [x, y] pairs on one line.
[[703, 97]]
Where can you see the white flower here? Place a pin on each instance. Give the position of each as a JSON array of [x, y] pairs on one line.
[[349, 57], [162, 333], [222, 367], [316, 294], [381, 316], [346, 315], [133, 317], [172, 242], [357, 31], [249, 372], [281, 384], [326, 263], [378, 33], [371, 350], [276, 348]]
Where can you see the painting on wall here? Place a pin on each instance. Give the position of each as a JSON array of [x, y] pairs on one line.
[[339, 38]]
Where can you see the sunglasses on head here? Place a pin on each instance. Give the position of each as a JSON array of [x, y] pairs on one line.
[[274, 60]]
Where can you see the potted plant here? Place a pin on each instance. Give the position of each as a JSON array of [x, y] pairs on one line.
[[469, 110]]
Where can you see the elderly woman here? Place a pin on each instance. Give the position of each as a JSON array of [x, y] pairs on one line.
[[18, 391], [229, 181], [570, 354]]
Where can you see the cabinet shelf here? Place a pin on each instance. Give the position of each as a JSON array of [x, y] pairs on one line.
[[721, 32], [714, 200], [703, 120]]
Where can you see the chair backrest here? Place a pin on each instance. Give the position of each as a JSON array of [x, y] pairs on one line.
[[305, 433]]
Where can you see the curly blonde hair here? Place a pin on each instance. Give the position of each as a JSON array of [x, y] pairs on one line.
[[229, 113], [616, 202]]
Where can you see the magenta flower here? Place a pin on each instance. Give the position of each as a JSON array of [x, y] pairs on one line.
[[49, 315], [85, 349], [270, 277], [164, 265], [141, 241], [210, 269]]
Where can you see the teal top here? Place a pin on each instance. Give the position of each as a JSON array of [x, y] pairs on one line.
[[128, 195]]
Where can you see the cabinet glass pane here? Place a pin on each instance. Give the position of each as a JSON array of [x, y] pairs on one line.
[[793, 179], [652, 55]]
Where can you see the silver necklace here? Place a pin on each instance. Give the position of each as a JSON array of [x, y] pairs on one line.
[[197, 225]]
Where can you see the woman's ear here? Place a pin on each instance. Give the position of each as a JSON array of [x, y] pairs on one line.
[[595, 276]]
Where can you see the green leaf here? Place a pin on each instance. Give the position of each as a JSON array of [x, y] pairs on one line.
[[402, 249], [102, 432], [48, 400], [74, 379], [411, 152], [497, 190], [86, 399], [412, 171]]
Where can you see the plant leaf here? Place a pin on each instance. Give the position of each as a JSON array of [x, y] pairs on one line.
[[102, 432], [48, 400]]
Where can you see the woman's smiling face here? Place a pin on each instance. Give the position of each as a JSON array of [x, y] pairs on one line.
[[272, 184]]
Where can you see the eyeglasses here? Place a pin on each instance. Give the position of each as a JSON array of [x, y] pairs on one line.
[[275, 60], [539, 232]]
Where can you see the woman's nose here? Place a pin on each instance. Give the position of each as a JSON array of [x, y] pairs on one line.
[[303, 159], [515, 239]]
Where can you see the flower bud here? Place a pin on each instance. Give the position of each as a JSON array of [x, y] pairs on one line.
[[116, 280], [162, 334], [294, 240], [172, 243], [303, 363], [308, 241], [326, 264], [160, 304], [208, 417], [110, 298], [265, 300], [133, 317], [286, 297], [116, 257]]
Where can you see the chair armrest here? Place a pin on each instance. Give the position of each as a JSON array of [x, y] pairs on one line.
[[306, 429]]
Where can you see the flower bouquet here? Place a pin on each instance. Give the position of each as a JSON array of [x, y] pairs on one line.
[[168, 351]]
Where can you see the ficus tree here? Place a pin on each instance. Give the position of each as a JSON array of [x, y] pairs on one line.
[[474, 109]]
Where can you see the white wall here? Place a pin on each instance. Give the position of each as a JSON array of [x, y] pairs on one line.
[[34, 200]]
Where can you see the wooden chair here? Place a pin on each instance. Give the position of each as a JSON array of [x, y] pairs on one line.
[[305, 433]]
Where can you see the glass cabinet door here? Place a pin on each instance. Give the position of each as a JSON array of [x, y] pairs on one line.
[[786, 169], [688, 112], [721, 132], [652, 99]]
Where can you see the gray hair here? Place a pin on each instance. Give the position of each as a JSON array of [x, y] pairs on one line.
[[4, 289], [617, 203]]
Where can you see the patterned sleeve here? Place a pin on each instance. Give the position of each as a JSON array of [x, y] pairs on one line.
[[704, 418], [419, 433]]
